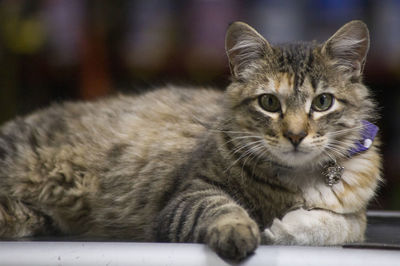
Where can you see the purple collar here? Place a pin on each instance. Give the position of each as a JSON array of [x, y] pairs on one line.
[[333, 171], [368, 133]]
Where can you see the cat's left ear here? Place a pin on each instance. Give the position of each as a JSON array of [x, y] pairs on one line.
[[348, 47], [243, 45]]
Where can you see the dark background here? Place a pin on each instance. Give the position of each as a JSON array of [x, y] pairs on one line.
[[56, 50]]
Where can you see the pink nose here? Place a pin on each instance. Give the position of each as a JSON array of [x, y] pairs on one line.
[[295, 138]]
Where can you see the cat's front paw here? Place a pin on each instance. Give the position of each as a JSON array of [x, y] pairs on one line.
[[299, 227], [233, 237], [278, 234], [315, 228]]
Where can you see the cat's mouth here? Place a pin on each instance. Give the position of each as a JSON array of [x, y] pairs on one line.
[[296, 151], [297, 157]]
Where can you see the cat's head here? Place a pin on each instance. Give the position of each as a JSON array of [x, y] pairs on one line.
[[297, 103]]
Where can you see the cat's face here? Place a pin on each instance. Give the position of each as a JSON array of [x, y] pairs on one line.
[[297, 104]]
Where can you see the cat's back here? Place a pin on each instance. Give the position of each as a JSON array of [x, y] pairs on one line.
[[90, 134], [169, 119], [160, 111], [157, 116]]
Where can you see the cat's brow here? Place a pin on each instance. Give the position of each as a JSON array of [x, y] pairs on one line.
[[246, 101], [344, 101]]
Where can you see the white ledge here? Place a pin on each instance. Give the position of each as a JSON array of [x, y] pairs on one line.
[[145, 254]]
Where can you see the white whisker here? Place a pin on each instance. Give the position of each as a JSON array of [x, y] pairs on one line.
[[237, 138], [229, 131], [256, 149], [258, 157], [248, 147], [347, 130]]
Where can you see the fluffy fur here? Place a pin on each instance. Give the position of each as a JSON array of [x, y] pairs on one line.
[[199, 165]]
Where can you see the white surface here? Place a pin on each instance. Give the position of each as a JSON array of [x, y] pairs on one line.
[[145, 254]]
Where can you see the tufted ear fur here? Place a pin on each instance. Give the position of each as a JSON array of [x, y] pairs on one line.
[[243, 44], [348, 47]]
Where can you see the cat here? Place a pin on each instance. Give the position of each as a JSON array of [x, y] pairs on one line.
[[230, 169]]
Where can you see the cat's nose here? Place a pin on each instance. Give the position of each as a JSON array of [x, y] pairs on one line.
[[295, 138]]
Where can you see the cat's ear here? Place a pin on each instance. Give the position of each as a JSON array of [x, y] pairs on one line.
[[243, 44], [348, 47]]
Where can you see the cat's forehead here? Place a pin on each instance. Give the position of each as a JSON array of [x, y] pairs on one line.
[[289, 84], [295, 70], [294, 57]]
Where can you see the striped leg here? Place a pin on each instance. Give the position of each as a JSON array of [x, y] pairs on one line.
[[209, 216]]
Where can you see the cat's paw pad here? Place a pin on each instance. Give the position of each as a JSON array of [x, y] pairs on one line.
[[234, 239]]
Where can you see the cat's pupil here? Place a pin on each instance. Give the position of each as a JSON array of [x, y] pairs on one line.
[[270, 101], [322, 100]]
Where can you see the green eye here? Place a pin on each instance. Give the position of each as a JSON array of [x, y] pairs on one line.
[[322, 102], [270, 103]]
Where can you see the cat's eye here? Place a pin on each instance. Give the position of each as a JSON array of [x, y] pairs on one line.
[[322, 102], [270, 102]]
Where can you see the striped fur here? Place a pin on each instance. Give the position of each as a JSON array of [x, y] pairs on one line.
[[199, 165]]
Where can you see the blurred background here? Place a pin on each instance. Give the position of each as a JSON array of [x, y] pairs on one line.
[[56, 50]]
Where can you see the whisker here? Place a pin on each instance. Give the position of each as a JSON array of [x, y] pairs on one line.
[[237, 160], [229, 131], [343, 143], [256, 149], [256, 163], [340, 145], [247, 146], [339, 132], [328, 154], [236, 138], [337, 151]]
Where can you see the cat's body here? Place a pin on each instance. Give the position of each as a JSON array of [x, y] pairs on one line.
[[116, 174], [200, 165]]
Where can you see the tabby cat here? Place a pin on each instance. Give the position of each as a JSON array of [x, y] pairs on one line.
[[230, 169]]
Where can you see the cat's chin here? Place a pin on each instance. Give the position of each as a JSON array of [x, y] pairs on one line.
[[298, 158]]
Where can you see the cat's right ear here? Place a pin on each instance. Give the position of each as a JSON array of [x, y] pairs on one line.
[[243, 44], [348, 47]]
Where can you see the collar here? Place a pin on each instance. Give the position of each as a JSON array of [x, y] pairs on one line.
[[333, 171], [368, 134]]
